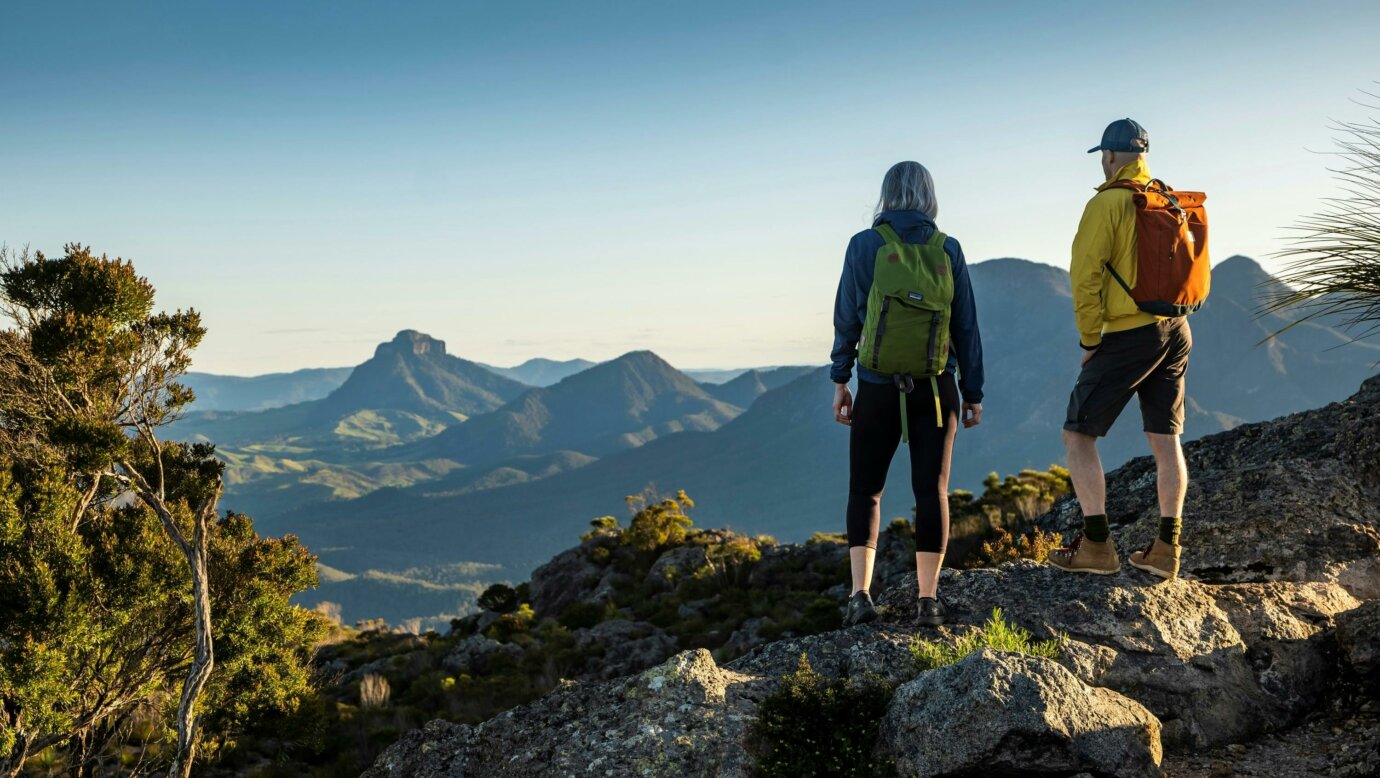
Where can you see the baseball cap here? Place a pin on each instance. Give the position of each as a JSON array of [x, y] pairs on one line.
[[1123, 135]]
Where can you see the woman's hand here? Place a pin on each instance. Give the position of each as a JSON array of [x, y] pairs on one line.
[[972, 414], [843, 405]]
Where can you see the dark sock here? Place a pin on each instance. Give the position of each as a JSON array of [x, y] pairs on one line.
[[1169, 529], [1095, 528]]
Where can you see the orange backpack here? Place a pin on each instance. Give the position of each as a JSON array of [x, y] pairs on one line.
[[1172, 273]]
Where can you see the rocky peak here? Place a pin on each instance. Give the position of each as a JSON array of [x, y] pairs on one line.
[[412, 342]]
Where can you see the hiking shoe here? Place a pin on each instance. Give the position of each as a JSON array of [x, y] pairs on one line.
[[1087, 556], [860, 610], [1159, 558], [932, 612]]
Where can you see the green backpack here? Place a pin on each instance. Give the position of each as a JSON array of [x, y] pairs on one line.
[[906, 333]]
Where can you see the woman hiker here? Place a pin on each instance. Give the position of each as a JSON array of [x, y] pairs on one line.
[[905, 313]]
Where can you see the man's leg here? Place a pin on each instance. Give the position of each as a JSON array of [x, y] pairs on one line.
[[1171, 473], [1104, 386], [1085, 470], [1162, 400]]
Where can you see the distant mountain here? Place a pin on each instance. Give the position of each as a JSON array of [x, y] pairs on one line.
[[612, 406], [746, 388], [541, 372], [257, 393], [715, 376], [781, 467], [411, 388], [327, 449], [413, 372]]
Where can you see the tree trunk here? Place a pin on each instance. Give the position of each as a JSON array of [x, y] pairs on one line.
[[204, 658], [17, 756]]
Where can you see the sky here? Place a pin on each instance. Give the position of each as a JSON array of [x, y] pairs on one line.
[[585, 179]]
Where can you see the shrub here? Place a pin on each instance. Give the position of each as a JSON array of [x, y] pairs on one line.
[[499, 598], [996, 634], [827, 537], [658, 524], [1006, 547], [602, 525], [581, 615], [812, 725], [373, 691]]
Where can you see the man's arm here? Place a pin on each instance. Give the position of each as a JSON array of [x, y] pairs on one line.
[[1092, 250]]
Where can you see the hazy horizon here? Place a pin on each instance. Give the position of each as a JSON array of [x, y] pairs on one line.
[[580, 181]]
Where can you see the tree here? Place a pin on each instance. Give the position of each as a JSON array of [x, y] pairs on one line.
[[98, 516], [1334, 262]]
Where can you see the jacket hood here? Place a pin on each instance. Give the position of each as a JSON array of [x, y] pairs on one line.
[[904, 221], [1135, 170]]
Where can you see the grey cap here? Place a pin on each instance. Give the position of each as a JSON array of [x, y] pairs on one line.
[[1124, 135]]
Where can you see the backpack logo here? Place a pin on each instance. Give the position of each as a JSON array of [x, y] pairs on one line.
[[915, 295], [893, 258]]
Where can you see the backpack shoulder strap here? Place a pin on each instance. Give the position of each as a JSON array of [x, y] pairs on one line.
[[888, 235], [937, 239], [1127, 183]]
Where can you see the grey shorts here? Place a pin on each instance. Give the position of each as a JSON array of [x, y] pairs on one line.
[[1149, 362]]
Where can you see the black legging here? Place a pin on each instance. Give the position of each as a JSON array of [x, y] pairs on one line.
[[872, 443]]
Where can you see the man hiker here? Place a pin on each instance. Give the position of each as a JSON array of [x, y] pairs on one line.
[[1129, 350]]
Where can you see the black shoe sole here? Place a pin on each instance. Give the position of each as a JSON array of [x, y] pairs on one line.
[[866, 617], [931, 621]]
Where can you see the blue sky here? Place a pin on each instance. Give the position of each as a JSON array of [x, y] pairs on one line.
[[584, 179]]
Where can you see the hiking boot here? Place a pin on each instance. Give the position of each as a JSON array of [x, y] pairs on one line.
[[932, 612], [1159, 558], [1087, 556], [860, 610]]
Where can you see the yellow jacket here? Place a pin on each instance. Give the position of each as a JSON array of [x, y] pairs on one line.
[[1107, 233]]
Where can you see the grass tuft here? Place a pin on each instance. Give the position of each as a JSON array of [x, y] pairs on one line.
[[995, 634]]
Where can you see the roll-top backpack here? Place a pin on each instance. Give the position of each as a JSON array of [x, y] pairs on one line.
[[1172, 272], [906, 332]]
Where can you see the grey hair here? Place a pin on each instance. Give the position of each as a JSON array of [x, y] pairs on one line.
[[908, 187]]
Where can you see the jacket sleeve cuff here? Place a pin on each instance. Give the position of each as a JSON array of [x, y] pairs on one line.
[[840, 378], [1086, 347], [973, 399]]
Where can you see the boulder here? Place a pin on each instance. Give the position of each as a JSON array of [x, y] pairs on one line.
[[686, 716], [1216, 664], [470, 654], [781, 565], [745, 638], [996, 713], [675, 564], [628, 646], [567, 579], [1358, 637], [854, 652], [1293, 499]]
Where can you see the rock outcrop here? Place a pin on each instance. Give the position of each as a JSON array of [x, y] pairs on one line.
[[1216, 664], [1293, 499], [1358, 637], [687, 716], [1269, 642], [1016, 715]]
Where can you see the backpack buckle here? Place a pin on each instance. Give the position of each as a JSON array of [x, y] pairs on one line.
[[904, 383]]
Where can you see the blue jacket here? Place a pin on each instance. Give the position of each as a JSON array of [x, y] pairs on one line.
[[850, 306]]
